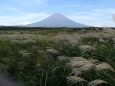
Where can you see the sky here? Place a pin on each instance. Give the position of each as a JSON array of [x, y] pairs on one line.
[[89, 12]]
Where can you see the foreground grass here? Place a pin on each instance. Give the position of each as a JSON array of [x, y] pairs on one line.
[[51, 57]]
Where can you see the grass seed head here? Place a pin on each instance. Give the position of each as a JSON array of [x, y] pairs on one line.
[[104, 66], [81, 63], [97, 82], [75, 79], [53, 51], [62, 58], [85, 48]]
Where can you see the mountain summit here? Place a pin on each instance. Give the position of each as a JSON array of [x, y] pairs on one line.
[[56, 20]]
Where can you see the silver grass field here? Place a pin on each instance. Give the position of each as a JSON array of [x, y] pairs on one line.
[[58, 57]]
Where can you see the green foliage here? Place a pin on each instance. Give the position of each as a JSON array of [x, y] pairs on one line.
[[36, 67]]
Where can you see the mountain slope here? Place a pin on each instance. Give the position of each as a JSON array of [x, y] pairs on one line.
[[56, 20]]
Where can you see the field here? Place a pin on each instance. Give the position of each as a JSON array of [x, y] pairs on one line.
[[59, 57]]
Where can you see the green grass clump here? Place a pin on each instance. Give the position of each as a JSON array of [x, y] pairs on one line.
[[33, 58]]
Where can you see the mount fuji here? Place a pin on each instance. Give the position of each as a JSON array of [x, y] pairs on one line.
[[56, 20]]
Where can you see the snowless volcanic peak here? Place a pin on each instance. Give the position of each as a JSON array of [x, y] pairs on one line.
[[56, 20], [57, 15]]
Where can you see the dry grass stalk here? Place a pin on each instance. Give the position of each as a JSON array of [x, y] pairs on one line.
[[75, 80], [97, 82], [86, 48], [53, 51], [62, 58], [24, 53], [104, 66], [79, 64]]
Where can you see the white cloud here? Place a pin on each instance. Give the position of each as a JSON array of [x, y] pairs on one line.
[[22, 19], [30, 2], [21, 5], [24, 23], [100, 17], [107, 10]]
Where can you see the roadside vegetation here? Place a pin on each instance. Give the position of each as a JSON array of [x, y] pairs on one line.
[[59, 57]]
